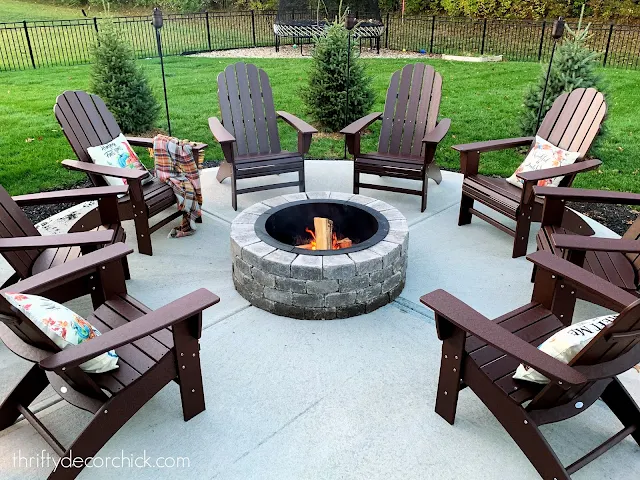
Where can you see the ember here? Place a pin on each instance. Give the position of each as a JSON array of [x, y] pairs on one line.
[[324, 238]]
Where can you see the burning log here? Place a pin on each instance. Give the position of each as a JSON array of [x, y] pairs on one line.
[[324, 233]]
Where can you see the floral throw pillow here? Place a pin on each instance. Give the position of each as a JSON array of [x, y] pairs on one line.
[[565, 345], [117, 153], [544, 155], [63, 326]]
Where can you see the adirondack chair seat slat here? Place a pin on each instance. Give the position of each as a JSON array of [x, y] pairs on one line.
[[572, 124], [409, 134]]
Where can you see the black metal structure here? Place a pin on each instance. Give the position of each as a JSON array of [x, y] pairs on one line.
[[302, 20], [283, 226]]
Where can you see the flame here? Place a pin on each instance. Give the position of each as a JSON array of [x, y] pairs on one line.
[[314, 246]]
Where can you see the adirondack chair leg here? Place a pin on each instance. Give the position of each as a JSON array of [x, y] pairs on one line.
[[113, 415], [185, 339], [466, 204], [521, 241], [125, 268], [517, 423], [225, 170], [31, 385], [623, 406], [301, 178], [356, 181], [425, 188], [450, 375], [234, 194]]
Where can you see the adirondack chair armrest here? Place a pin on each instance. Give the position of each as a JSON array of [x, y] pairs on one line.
[[493, 145], [297, 123], [582, 279], [175, 312], [220, 133], [140, 141], [71, 270], [81, 239], [547, 173], [360, 124], [464, 317], [70, 196], [436, 135], [584, 195], [595, 244], [132, 174]]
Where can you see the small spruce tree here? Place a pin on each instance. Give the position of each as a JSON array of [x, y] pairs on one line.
[[325, 94], [117, 79], [574, 66]]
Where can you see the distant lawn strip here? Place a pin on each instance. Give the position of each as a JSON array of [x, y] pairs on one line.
[[483, 100]]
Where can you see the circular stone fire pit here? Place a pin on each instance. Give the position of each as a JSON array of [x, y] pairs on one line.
[[274, 269]]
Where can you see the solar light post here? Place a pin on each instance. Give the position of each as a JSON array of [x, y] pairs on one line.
[[556, 33], [349, 24], [157, 24]]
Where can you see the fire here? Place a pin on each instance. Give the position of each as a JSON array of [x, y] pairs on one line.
[[313, 245]]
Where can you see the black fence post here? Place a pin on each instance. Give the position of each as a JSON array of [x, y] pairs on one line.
[[484, 36], [26, 34], [606, 52], [95, 24], [433, 31], [544, 26], [208, 30], [386, 33], [253, 26]]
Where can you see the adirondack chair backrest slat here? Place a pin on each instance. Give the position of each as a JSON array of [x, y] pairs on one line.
[[633, 233], [621, 353], [247, 109], [411, 109], [14, 223], [86, 122], [574, 119]]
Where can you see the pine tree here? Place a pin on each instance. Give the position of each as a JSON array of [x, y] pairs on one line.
[[119, 81], [574, 66], [325, 95]]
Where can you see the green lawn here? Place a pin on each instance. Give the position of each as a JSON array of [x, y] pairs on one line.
[[19, 10], [483, 101]]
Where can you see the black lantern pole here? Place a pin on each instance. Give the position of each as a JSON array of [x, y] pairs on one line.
[[556, 33], [157, 24], [350, 24]]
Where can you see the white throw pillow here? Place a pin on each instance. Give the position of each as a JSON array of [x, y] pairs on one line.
[[117, 153], [544, 155], [565, 345], [63, 326]]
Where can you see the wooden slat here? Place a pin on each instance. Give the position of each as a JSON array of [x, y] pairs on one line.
[[95, 117], [594, 116], [568, 111], [387, 116], [412, 109], [225, 106], [423, 110], [106, 116], [434, 106], [77, 143], [400, 112], [258, 109], [577, 119], [247, 108], [270, 112], [552, 115], [164, 336], [236, 109]]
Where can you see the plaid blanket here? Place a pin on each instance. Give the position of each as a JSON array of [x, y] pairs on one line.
[[176, 166]]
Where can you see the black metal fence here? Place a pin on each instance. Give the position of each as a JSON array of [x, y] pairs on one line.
[[25, 45]]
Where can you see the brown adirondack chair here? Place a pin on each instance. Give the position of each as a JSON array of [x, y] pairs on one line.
[[483, 354], [30, 253], [249, 135], [87, 122], [155, 348], [615, 260], [572, 124], [409, 135]]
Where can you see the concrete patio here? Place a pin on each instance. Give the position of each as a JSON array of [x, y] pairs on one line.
[[348, 399]]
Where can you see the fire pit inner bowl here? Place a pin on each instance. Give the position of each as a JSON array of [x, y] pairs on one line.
[[290, 227]]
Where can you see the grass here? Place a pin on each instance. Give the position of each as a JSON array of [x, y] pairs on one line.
[[483, 100], [19, 10]]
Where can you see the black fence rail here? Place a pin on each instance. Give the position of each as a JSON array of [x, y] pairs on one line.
[[28, 45]]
